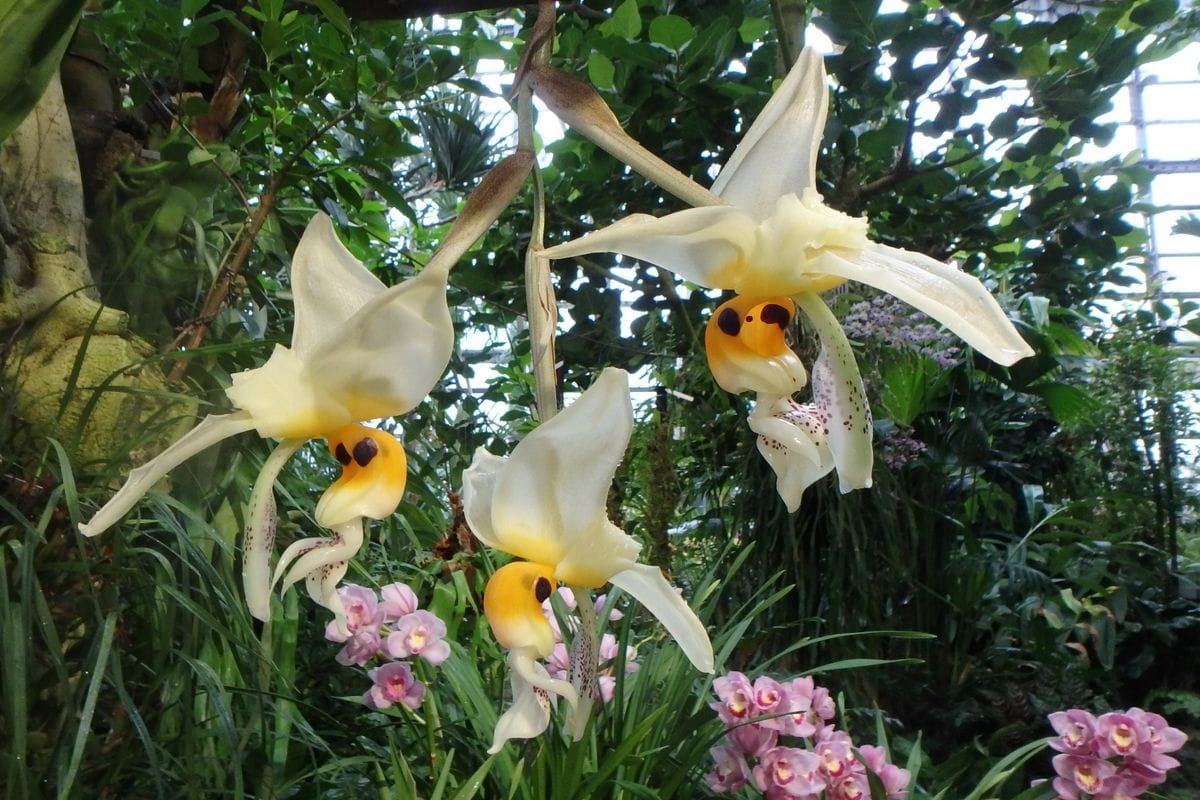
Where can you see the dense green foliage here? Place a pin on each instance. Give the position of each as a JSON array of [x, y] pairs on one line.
[[1029, 543]]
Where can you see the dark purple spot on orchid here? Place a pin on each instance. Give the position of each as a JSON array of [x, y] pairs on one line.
[[364, 451], [774, 314], [729, 322], [342, 454], [541, 589]]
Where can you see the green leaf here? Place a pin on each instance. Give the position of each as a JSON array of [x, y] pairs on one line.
[[1070, 405], [671, 32], [752, 29], [1154, 12], [189, 8], [334, 13], [35, 35], [625, 22], [601, 71], [198, 155]]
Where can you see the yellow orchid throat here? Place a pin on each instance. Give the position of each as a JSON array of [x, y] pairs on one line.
[[374, 473], [512, 603]]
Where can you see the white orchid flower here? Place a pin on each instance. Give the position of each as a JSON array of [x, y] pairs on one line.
[[359, 351], [767, 235], [545, 504]]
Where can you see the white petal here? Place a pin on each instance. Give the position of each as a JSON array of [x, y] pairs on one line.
[[208, 432], [328, 283], [384, 360], [949, 295], [838, 391], [648, 586], [322, 586], [791, 438], [778, 155], [529, 714], [709, 246], [479, 487], [379, 363], [318, 552], [550, 497], [259, 541]]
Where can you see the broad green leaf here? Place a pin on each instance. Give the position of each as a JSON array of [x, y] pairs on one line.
[[335, 14], [601, 71], [671, 31], [625, 21], [752, 29], [35, 35]]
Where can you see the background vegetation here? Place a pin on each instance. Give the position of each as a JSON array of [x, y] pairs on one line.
[[1033, 525]]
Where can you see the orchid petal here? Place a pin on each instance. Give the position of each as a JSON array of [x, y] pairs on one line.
[[209, 431], [838, 392], [328, 283], [478, 490], [259, 540], [353, 375], [322, 581], [650, 588], [792, 438], [317, 553], [710, 246], [529, 714], [952, 297], [374, 472], [550, 499], [760, 172]]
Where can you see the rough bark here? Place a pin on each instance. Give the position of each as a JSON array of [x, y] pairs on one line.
[[71, 370]]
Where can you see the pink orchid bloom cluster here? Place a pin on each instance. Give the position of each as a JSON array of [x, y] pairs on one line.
[[1115, 756], [782, 740], [393, 627], [558, 663]]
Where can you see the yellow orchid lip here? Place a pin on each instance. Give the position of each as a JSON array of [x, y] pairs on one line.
[[745, 341], [512, 603], [374, 473], [751, 323]]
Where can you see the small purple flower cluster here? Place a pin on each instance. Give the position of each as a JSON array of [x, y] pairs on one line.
[[558, 663], [892, 323], [898, 447], [392, 627], [758, 716], [1115, 756]]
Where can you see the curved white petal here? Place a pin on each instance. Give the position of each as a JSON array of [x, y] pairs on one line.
[[549, 501], [322, 582], [838, 394], [949, 295], [328, 283], [384, 360], [380, 362], [532, 688], [318, 552], [207, 432], [792, 438], [648, 586], [259, 540], [479, 487], [709, 246], [778, 154]]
